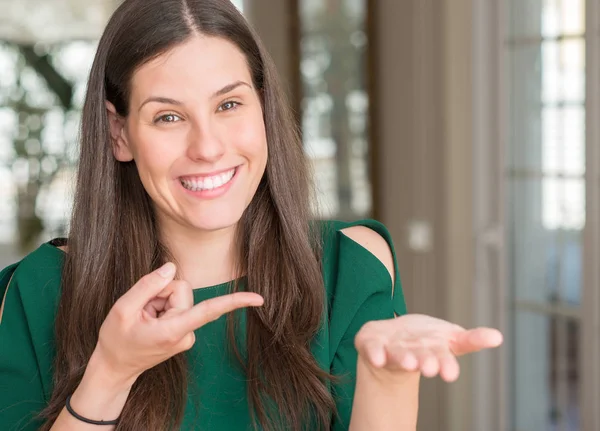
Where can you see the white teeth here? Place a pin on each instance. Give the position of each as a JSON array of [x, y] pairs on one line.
[[207, 183]]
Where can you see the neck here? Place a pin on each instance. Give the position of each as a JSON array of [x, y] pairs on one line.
[[203, 258]]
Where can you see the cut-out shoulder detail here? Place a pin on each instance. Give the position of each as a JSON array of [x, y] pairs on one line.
[[374, 243], [60, 243]]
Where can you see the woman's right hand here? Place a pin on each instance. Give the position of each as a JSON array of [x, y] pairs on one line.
[[155, 320]]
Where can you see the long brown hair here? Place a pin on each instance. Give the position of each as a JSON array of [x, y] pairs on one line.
[[114, 241]]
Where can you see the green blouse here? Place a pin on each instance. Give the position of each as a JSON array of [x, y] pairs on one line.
[[359, 289]]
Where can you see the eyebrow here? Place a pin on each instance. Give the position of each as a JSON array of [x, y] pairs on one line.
[[167, 100], [230, 87]]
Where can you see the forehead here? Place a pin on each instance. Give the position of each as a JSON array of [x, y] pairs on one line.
[[199, 66]]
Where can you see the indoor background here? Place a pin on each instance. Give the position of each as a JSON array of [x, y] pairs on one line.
[[469, 127]]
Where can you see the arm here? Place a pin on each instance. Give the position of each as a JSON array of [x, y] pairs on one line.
[[392, 353], [99, 396], [22, 394], [382, 400], [154, 320], [21, 389], [151, 322]]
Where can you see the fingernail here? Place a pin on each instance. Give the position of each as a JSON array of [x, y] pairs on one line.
[[167, 270]]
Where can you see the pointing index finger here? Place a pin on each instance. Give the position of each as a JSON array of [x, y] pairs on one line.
[[211, 309]]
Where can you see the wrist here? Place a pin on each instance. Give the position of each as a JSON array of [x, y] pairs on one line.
[[385, 378], [102, 371], [102, 392]]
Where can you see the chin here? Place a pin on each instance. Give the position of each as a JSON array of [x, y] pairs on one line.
[[215, 223]]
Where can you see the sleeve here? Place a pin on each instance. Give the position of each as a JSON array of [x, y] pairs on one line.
[[363, 292], [21, 391]]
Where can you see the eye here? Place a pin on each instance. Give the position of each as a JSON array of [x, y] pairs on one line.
[[228, 106], [167, 118]]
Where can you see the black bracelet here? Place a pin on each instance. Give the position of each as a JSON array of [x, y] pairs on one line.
[[87, 421]]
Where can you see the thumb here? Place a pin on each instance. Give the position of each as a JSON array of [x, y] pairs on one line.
[[148, 287]]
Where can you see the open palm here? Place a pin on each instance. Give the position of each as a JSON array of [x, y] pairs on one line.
[[416, 342]]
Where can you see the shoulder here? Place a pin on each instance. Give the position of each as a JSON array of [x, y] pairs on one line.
[[356, 240], [361, 276], [30, 291], [359, 260], [34, 281], [374, 243]]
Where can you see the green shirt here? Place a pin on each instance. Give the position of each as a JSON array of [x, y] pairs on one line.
[[359, 289]]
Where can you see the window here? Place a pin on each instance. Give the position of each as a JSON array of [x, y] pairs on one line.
[[45, 59], [545, 54], [43, 73], [335, 103]]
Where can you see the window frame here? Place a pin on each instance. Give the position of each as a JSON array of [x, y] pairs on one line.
[[491, 394]]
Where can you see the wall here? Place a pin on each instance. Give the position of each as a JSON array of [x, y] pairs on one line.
[[423, 111]]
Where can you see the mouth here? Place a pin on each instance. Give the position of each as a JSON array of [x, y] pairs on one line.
[[208, 183]]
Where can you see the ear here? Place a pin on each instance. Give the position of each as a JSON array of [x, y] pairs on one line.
[[120, 145]]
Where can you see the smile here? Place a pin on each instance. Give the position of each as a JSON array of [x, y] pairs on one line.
[[197, 184]]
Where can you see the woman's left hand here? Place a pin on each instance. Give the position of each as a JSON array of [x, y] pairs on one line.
[[415, 342]]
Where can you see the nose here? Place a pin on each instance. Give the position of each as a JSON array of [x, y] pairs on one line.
[[205, 144]]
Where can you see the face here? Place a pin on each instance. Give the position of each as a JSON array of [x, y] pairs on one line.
[[195, 130]]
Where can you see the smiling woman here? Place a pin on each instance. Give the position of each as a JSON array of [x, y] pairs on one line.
[[192, 202], [191, 125]]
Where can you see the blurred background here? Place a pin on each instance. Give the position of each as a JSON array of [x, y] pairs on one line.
[[469, 127]]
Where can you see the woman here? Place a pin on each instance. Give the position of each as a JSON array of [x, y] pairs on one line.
[[192, 184]]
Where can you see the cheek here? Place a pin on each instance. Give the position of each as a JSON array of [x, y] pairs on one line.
[[251, 140], [154, 152]]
